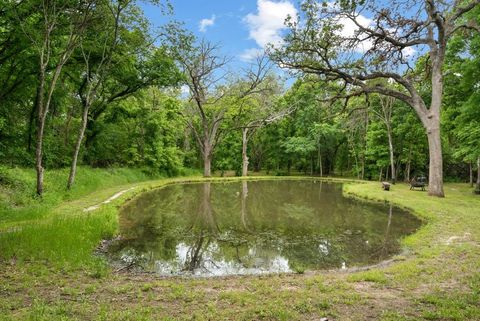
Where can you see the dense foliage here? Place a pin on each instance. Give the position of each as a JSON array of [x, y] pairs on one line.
[[121, 81]]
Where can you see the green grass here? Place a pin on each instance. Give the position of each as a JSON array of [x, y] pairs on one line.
[[17, 192], [49, 272], [375, 276], [55, 228]]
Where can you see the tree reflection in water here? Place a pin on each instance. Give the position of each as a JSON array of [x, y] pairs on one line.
[[256, 227]]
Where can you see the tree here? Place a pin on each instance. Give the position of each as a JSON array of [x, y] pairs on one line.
[[101, 57], [463, 98], [379, 49], [468, 133], [137, 64], [211, 96], [249, 129], [326, 135], [258, 110], [17, 82], [54, 34], [385, 115], [356, 127], [302, 146], [97, 58]]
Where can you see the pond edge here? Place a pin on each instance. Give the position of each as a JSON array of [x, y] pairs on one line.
[[135, 192]]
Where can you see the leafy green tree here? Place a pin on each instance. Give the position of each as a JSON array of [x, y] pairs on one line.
[[102, 51], [317, 45], [54, 32], [148, 131]]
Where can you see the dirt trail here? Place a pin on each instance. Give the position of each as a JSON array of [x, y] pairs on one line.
[[111, 198]]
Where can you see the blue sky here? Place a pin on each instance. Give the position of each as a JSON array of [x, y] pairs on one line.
[[242, 27]]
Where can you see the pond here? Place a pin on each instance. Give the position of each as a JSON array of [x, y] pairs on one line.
[[253, 227]]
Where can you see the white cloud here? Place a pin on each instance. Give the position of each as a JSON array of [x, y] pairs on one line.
[[350, 28], [265, 26], [250, 54], [409, 52], [185, 90], [204, 23]]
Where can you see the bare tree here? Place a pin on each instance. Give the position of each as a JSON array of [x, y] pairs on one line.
[[206, 78], [249, 129], [258, 109], [380, 48]]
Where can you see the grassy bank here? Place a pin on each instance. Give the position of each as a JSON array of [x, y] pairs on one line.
[[55, 228], [49, 273], [18, 201]]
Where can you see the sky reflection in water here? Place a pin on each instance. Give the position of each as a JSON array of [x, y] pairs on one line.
[[252, 227]]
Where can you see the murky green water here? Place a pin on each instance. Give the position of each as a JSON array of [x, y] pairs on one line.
[[256, 227]]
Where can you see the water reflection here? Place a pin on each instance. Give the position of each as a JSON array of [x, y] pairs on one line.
[[256, 227]]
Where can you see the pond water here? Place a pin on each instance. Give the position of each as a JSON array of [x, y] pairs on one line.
[[252, 227]]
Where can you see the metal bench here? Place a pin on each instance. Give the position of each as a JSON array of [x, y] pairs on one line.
[[419, 182]]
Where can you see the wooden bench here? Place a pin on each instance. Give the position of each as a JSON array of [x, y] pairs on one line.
[[419, 182], [386, 186]]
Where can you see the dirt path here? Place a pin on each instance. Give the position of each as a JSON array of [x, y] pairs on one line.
[[108, 200]]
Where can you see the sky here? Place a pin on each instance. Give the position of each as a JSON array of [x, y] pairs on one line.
[[242, 28]]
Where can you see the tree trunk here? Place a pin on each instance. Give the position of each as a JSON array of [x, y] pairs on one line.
[[364, 145], [43, 107], [244, 152], [409, 162], [362, 176], [380, 175], [398, 169], [244, 204], [390, 148], [207, 151], [31, 120], [81, 133], [478, 174], [311, 164], [432, 124], [186, 142], [67, 127], [40, 128], [356, 163], [320, 161], [257, 166], [435, 170], [207, 166], [470, 165]]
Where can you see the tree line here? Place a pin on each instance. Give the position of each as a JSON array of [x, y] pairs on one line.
[[90, 82]]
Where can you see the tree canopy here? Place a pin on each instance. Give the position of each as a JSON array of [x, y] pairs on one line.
[[92, 83]]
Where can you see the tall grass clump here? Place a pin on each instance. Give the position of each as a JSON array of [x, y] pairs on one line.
[[64, 240]]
